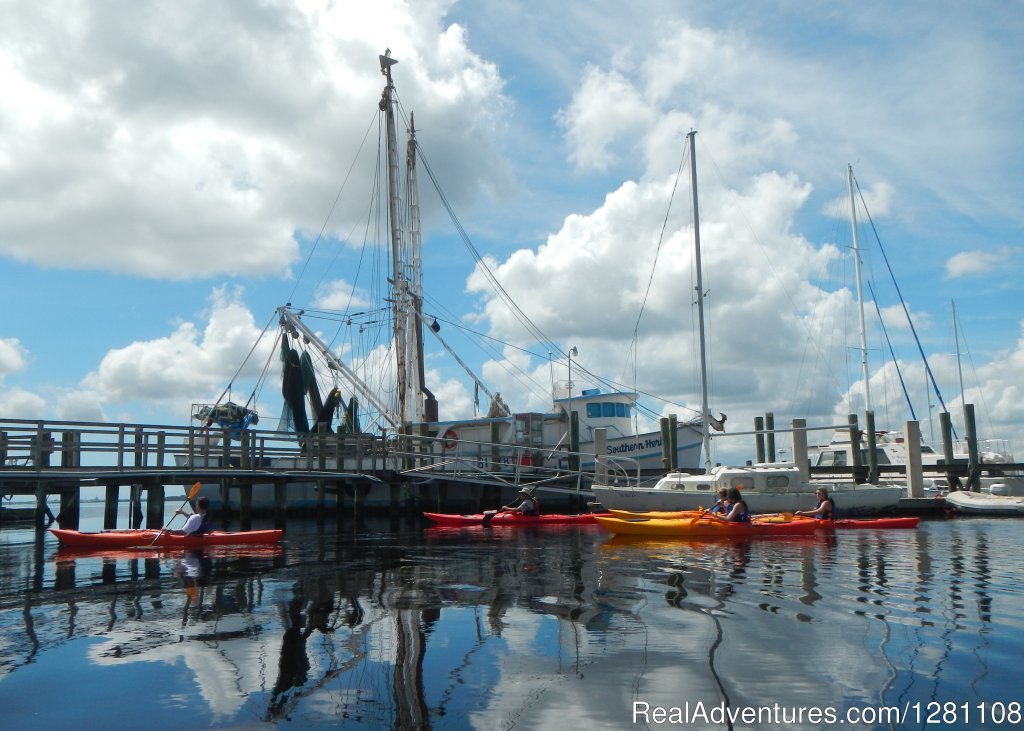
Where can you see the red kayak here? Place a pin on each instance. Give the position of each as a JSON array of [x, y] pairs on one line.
[[905, 521], [512, 518], [168, 539]]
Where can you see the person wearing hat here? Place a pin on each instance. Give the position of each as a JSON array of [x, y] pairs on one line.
[[527, 504]]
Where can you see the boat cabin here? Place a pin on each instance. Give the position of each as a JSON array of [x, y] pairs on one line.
[[773, 477]]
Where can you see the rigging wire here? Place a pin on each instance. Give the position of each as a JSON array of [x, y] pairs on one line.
[[231, 382], [906, 312], [334, 205], [634, 346], [769, 264]]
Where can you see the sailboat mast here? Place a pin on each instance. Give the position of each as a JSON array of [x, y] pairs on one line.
[[705, 425], [959, 368], [860, 291]]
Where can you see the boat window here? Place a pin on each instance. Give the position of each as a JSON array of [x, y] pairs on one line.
[[593, 411], [832, 459], [777, 481], [620, 410], [703, 485], [537, 432], [607, 409]]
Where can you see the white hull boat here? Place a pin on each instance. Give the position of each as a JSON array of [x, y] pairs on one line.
[[766, 488], [982, 503]]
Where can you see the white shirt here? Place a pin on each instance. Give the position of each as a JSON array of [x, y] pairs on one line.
[[192, 524]]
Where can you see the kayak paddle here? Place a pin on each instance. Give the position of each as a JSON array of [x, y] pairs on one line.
[[191, 494], [489, 516]]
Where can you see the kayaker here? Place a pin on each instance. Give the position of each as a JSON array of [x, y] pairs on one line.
[[198, 522], [721, 505], [527, 504], [738, 511], [824, 510]]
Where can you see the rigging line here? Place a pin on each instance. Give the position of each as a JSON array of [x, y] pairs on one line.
[[657, 251], [607, 382], [765, 253], [266, 367], [521, 316], [799, 384], [483, 342], [974, 370], [920, 348], [246, 360], [337, 197], [362, 251], [885, 332]]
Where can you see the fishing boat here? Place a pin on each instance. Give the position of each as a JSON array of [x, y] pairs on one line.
[[706, 526], [163, 539], [767, 487], [513, 519], [370, 373], [981, 503]]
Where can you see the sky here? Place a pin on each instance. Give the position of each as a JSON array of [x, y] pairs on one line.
[[171, 172]]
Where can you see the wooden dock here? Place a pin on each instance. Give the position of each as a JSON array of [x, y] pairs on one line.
[[42, 459]]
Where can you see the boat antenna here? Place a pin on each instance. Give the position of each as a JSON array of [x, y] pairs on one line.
[[705, 425]]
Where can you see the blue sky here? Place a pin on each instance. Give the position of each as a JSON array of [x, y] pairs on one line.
[[164, 168]]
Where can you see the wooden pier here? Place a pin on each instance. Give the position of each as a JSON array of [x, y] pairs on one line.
[[42, 459], [396, 473]]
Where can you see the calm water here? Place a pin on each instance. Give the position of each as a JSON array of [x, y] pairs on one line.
[[391, 625]]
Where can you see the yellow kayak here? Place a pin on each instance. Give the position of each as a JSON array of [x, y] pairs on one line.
[[663, 514], [705, 525]]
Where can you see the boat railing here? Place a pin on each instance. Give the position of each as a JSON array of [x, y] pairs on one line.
[[622, 471], [46, 444]]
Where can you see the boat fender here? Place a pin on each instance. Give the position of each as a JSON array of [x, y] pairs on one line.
[[451, 439]]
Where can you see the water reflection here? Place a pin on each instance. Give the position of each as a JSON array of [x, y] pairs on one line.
[[411, 628]]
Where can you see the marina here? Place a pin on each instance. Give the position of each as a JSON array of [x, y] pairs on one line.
[[392, 623]]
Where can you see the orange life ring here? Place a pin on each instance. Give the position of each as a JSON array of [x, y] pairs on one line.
[[451, 439]]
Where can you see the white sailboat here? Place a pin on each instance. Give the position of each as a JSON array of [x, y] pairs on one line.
[[890, 445], [769, 487]]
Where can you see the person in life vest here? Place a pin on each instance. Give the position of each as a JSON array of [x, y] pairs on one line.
[[198, 522], [824, 510], [527, 504], [738, 511], [721, 506]]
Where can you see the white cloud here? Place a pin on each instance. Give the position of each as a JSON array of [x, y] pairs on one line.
[[13, 357], [189, 363], [340, 295], [186, 150], [976, 263], [22, 404]]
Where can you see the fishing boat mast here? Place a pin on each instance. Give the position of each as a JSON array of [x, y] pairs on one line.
[[860, 290], [415, 402], [705, 422]]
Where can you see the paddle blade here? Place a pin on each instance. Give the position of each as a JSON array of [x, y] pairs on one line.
[[194, 490]]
